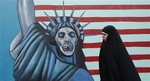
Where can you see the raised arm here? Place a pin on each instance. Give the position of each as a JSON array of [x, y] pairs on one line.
[[26, 14]]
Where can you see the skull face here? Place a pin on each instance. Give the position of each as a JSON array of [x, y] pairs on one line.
[[66, 39]]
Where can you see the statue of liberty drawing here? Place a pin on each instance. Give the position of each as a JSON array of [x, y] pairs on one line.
[[50, 52]]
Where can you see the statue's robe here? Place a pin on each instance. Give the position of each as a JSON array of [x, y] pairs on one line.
[[37, 60]]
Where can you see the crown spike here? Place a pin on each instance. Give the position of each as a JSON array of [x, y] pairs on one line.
[[86, 24], [51, 20], [72, 11], [55, 12], [81, 16], [63, 10], [44, 24], [48, 16], [47, 27]]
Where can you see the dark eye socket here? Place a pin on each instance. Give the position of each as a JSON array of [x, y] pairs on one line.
[[72, 34], [61, 34]]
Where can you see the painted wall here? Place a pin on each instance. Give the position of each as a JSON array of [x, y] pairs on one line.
[[9, 27], [128, 19]]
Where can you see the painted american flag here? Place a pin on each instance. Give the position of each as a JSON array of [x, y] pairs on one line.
[[130, 17]]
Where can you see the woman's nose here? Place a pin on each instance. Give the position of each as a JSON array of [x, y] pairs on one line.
[[102, 36]]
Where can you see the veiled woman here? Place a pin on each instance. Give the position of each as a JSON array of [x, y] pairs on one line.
[[114, 61]]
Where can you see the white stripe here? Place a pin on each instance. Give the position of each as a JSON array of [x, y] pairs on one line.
[[137, 63], [135, 37], [141, 63], [98, 13], [96, 77], [90, 2], [143, 76], [138, 50], [91, 51], [125, 38], [117, 25], [92, 65], [131, 50]]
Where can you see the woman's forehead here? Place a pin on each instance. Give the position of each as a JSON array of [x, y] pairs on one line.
[[103, 33]]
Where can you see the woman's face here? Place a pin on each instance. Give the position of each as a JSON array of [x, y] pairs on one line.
[[104, 36]]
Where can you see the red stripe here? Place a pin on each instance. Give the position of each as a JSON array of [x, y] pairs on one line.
[[94, 72], [140, 57], [124, 31], [133, 57], [92, 7], [127, 44], [143, 70], [105, 19], [91, 45], [139, 69], [92, 59]]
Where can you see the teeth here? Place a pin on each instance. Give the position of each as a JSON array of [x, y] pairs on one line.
[[66, 48]]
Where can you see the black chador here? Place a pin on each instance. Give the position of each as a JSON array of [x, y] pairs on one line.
[[114, 61]]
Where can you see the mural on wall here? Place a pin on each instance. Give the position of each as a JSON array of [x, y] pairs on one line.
[[40, 47], [50, 52]]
